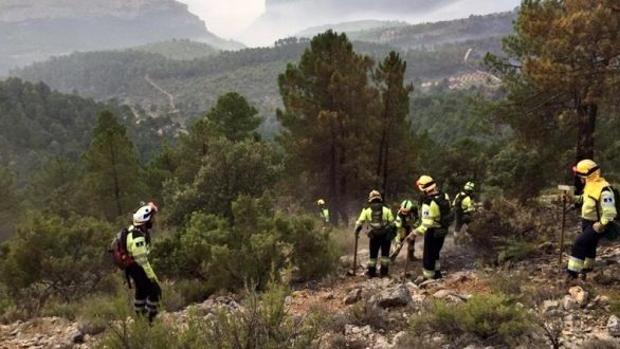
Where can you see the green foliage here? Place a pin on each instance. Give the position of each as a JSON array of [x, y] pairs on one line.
[[508, 231], [329, 121], [520, 172], [184, 50], [9, 206], [262, 323], [395, 160], [226, 171], [54, 257], [258, 243], [490, 318], [55, 188], [233, 118], [113, 177]]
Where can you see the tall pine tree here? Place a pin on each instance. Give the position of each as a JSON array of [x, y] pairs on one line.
[[566, 55], [395, 149], [113, 178], [330, 126]]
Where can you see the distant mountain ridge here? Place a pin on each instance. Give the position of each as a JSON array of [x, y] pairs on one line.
[[34, 30], [286, 17]]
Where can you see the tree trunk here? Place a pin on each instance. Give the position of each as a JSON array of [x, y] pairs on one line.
[[333, 193], [386, 170], [117, 189], [585, 139]]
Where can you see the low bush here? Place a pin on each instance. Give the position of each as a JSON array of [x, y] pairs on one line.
[[54, 258], [507, 231], [259, 243], [493, 319], [262, 322]]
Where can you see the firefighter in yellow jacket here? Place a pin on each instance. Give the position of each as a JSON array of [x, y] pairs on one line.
[[436, 217], [598, 210], [148, 292], [382, 230]]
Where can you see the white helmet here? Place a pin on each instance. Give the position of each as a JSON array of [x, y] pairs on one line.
[[144, 214]]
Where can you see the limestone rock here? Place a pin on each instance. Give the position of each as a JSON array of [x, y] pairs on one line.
[[353, 297], [392, 297], [568, 303], [579, 295], [613, 326]]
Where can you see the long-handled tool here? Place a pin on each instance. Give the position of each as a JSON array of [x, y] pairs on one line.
[[565, 189], [353, 270]]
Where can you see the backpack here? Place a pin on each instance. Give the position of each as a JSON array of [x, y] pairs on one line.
[[118, 249], [445, 209], [612, 232], [458, 201], [377, 224]]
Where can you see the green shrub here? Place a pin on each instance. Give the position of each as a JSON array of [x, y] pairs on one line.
[[490, 318], [259, 242], [507, 231], [263, 322], [50, 257]]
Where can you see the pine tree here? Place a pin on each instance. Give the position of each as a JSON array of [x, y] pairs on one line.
[[234, 118], [9, 205], [113, 178], [395, 145], [330, 120], [566, 55]]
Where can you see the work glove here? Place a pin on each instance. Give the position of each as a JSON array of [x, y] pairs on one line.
[[598, 227]]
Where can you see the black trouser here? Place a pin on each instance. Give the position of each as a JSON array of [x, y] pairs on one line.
[[461, 219], [584, 249], [381, 241], [433, 243], [148, 292]]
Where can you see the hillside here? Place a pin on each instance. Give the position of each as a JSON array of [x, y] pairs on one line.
[[438, 33], [196, 84], [38, 123], [183, 50], [35, 30], [349, 27]]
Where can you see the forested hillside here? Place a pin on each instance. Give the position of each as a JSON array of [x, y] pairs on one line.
[[432, 34], [149, 79], [37, 124]]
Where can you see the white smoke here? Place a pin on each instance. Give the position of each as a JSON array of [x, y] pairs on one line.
[[287, 18]]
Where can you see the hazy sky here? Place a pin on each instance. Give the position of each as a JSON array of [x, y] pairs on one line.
[[227, 18], [230, 18]]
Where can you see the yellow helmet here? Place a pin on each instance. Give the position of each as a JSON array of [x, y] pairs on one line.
[[469, 186], [586, 168], [426, 184], [374, 195], [406, 206], [320, 202]]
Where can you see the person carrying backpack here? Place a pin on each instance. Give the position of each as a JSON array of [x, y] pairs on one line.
[[598, 212], [406, 220], [131, 254], [464, 207], [381, 222], [436, 217]]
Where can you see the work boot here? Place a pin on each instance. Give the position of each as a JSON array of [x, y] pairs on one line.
[[573, 279], [371, 272], [438, 275], [385, 271]]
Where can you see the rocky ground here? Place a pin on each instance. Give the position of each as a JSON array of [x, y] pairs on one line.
[[571, 316]]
